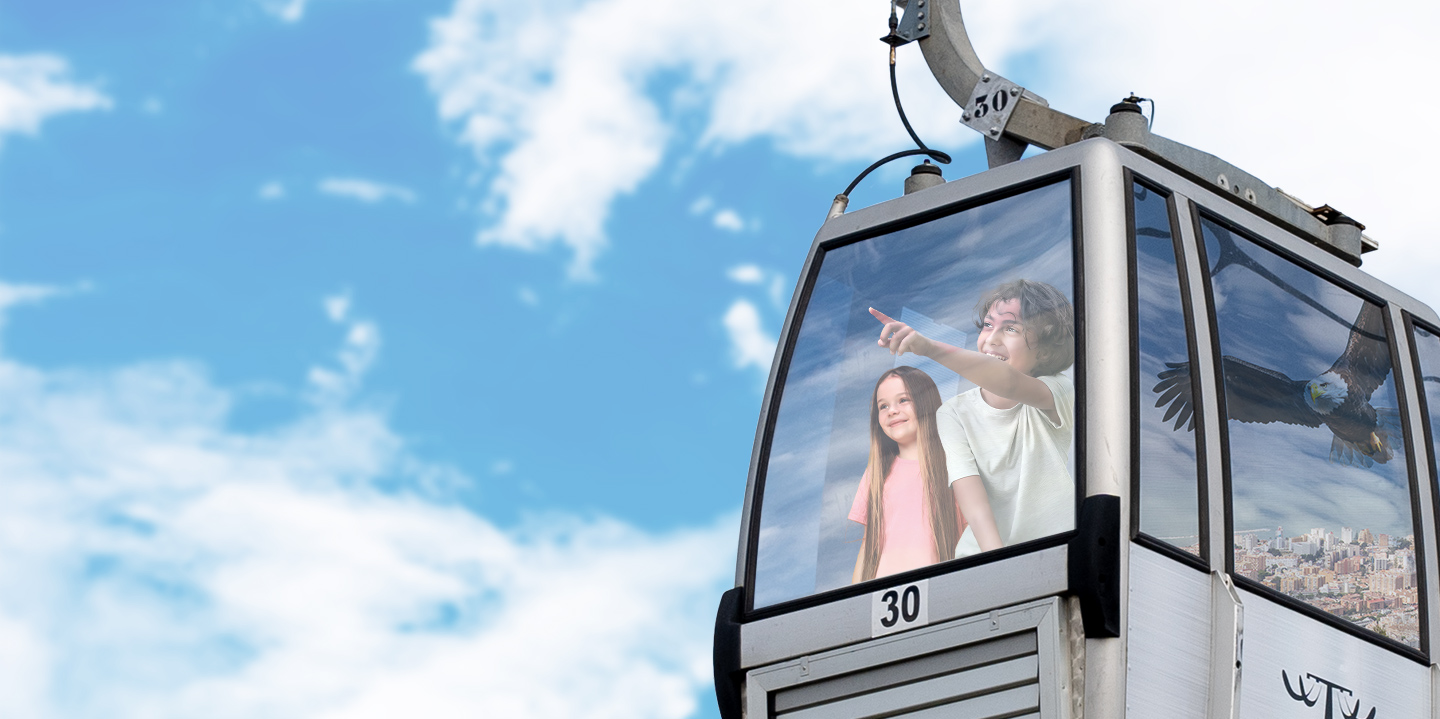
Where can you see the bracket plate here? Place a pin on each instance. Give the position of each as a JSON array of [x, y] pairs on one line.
[[991, 103], [915, 24]]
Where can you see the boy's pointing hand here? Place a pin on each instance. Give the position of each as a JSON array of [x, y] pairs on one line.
[[899, 337]]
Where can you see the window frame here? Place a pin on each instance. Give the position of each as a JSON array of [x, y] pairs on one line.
[[1199, 214], [1202, 496], [755, 495]]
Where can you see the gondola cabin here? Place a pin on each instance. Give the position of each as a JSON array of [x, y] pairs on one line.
[[1217, 499]]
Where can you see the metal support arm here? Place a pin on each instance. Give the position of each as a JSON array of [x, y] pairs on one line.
[[1012, 118]]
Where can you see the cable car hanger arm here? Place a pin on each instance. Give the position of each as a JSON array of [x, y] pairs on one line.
[[1012, 118]]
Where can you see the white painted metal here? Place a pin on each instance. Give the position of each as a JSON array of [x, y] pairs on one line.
[[958, 594], [1425, 484], [856, 681], [1227, 644], [1106, 368], [1278, 639], [1168, 638]]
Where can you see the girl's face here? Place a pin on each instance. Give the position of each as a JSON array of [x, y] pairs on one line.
[[896, 411], [1002, 336]]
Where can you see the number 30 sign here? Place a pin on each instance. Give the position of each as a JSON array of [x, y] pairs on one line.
[[898, 608]]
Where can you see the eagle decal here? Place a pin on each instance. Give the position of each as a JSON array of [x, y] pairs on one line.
[[1338, 399]]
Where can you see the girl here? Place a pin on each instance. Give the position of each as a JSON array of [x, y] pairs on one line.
[[909, 515], [1007, 442]]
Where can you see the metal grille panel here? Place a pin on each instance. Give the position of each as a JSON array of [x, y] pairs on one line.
[[996, 678]]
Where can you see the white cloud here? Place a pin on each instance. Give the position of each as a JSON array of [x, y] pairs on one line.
[[701, 205], [502, 466], [746, 274], [272, 190], [172, 566], [34, 88], [367, 191], [337, 307], [332, 385], [554, 100], [728, 220], [753, 275], [16, 295], [285, 10], [528, 297], [750, 345]]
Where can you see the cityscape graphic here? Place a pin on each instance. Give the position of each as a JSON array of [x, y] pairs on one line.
[[1365, 578]]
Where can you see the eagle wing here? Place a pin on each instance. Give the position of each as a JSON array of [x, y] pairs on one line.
[[1366, 360], [1260, 395], [1252, 394]]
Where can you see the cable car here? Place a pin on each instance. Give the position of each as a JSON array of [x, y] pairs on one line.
[[1135, 435]]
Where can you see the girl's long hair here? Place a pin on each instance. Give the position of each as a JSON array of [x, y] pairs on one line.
[[939, 502]]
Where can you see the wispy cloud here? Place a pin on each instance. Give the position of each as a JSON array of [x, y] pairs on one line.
[[561, 128], [272, 190], [750, 344], [750, 274], [34, 88], [367, 191], [16, 295], [174, 566], [746, 274], [361, 345], [289, 11], [729, 220]]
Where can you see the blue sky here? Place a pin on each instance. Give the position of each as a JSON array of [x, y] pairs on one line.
[[359, 354]]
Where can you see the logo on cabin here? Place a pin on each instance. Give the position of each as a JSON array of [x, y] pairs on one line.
[[1335, 695]]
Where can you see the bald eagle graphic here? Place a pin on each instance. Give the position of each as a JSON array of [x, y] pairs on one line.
[[1338, 399]]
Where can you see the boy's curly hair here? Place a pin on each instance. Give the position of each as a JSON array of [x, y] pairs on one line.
[[1048, 318]]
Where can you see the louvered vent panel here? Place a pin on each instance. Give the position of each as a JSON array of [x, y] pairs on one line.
[[996, 679]]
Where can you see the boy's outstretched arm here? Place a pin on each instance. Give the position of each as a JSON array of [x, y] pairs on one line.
[[992, 374], [975, 505]]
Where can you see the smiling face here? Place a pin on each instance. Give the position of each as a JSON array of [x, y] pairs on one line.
[[896, 411], [1002, 336]]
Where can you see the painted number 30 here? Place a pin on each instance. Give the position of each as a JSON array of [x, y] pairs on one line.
[[997, 101], [899, 608], [900, 604]]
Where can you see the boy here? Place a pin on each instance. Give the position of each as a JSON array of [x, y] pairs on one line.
[[1007, 442]]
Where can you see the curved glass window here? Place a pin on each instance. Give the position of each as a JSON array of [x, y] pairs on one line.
[[978, 298], [1169, 481], [1320, 489]]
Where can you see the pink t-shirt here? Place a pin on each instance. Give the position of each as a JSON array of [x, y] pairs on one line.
[[907, 543]]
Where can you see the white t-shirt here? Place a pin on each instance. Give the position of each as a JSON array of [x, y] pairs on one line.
[[1021, 457]]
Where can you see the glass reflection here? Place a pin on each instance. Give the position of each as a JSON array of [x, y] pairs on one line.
[[844, 411], [1169, 501], [1320, 489]]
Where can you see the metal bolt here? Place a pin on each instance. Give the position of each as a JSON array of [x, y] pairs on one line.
[[985, 77], [921, 26], [1014, 91], [922, 3], [920, 16], [995, 131], [964, 117]]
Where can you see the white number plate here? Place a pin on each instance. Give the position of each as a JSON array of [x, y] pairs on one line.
[[899, 608]]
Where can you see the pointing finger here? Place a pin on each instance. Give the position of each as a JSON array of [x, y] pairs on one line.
[[880, 316]]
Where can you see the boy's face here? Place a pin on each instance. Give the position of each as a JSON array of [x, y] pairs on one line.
[[1002, 336]]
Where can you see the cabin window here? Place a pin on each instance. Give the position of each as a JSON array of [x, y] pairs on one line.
[[1319, 485], [841, 409], [1427, 350], [1169, 504]]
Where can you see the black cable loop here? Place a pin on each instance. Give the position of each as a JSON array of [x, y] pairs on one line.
[[889, 158], [937, 155], [940, 157]]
